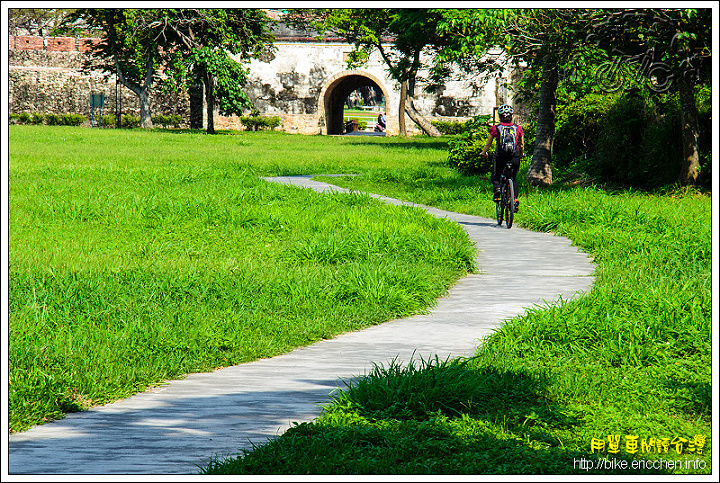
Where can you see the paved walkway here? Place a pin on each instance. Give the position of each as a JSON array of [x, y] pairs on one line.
[[177, 427]]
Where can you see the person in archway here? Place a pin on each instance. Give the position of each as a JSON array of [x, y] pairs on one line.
[[381, 122]]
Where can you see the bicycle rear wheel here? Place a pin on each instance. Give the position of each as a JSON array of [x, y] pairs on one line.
[[499, 208], [510, 204]]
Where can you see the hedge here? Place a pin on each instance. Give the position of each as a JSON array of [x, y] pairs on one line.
[[49, 119]]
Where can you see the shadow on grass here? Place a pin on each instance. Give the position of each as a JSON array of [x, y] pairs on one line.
[[695, 398], [439, 418]]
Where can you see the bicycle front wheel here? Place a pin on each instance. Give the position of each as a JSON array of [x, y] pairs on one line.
[[510, 205]]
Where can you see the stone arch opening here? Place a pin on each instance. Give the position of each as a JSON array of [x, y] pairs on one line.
[[337, 90]]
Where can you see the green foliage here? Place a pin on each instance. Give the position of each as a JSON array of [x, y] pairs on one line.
[[49, 119], [73, 119], [37, 118], [464, 151], [638, 143], [53, 120], [449, 127], [229, 77], [129, 121], [173, 120], [256, 122], [108, 120], [19, 118], [579, 124]]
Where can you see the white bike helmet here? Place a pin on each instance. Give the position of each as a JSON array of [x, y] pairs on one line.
[[505, 110]]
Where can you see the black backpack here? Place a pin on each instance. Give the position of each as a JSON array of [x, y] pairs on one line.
[[507, 140]]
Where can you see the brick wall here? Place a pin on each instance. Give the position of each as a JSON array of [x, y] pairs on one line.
[[24, 42], [53, 44]]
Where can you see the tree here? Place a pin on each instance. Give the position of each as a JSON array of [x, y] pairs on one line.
[[139, 45], [678, 40], [37, 21], [543, 38], [400, 35], [204, 39], [130, 48]]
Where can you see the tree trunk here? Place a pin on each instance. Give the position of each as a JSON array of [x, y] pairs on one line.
[[210, 102], [196, 94], [145, 117], [689, 117], [401, 109], [540, 171], [424, 124], [143, 94]]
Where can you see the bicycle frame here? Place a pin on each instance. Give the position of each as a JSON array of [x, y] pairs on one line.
[[505, 208]]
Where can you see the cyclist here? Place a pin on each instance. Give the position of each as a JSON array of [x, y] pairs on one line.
[[504, 156]]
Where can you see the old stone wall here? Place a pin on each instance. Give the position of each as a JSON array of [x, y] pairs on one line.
[[301, 82], [294, 81], [45, 76]]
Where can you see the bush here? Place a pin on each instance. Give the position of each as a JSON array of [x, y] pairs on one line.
[[255, 121], [272, 122], [73, 119], [50, 119], [19, 118], [108, 120], [449, 127], [631, 138], [173, 120], [129, 121], [464, 153], [638, 141], [37, 118], [578, 126], [53, 119]]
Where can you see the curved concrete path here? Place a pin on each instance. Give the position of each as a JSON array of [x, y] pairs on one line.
[[179, 426]]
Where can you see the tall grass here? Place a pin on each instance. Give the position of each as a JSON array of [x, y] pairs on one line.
[[632, 358], [135, 257]]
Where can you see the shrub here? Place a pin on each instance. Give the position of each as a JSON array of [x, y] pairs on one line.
[[73, 119], [19, 118], [638, 141], [173, 120], [255, 121], [53, 120], [37, 118], [272, 122], [108, 120], [449, 127], [578, 126], [464, 153], [129, 121]]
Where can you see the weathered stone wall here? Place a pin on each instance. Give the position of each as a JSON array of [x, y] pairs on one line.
[[296, 83], [293, 81], [45, 76]]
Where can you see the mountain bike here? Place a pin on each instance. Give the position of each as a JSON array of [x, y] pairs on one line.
[[505, 207]]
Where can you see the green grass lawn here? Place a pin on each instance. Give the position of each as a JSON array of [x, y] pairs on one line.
[[135, 257], [139, 252]]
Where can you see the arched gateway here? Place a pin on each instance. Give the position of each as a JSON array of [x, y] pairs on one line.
[[332, 98], [303, 81]]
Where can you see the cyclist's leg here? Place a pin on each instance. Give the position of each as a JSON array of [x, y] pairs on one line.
[[498, 165]]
